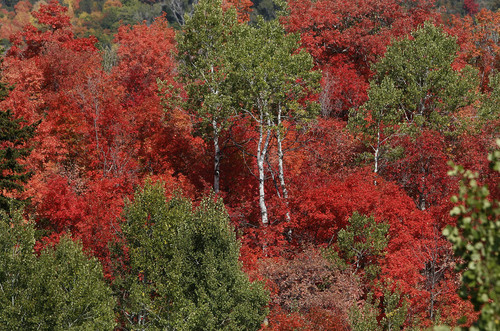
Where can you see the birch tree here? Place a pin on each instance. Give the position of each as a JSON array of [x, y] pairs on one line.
[[270, 77], [203, 46], [415, 86]]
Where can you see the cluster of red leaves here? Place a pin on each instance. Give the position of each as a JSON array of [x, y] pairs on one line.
[[346, 37], [102, 132], [13, 22], [471, 7], [309, 282], [478, 43]]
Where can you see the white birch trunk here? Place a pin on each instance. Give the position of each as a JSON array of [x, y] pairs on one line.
[[377, 152], [217, 157], [261, 156], [281, 172]]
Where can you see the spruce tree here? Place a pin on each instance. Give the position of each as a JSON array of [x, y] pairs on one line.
[[184, 268], [14, 136]]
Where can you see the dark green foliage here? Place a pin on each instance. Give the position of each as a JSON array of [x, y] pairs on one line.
[[362, 243], [17, 266], [13, 139], [185, 273], [365, 317], [62, 289], [268, 9], [476, 240], [395, 312], [150, 225]]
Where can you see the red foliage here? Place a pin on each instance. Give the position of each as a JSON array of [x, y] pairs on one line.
[[243, 8], [308, 283], [163, 140], [346, 38], [478, 43], [53, 15], [104, 130], [471, 7], [100, 135], [423, 170], [317, 319], [13, 22], [145, 54], [89, 210], [323, 208]]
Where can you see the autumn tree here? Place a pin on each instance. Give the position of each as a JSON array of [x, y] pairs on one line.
[[184, 269], [346, 37], [479, 46], [308, 283]]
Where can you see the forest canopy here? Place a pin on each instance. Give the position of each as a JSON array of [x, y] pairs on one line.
[[229, 165]]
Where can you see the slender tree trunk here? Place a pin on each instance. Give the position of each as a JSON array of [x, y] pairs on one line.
[[217, 157], [261, 152], [377, 153], [261, 156], [270, 167], [281, 172]]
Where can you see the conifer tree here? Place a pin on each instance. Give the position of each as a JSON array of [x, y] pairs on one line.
[[185, 273], [62, 289], [13, 138]]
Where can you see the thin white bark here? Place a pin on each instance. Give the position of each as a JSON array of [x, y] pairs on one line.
[[281, 172], [217, 157], [262, 148], [377, 152]]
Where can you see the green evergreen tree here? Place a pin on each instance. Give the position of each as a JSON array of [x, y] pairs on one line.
[[476, 240], [62, 289], [13, 138], [184, 268], [17, 266]]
